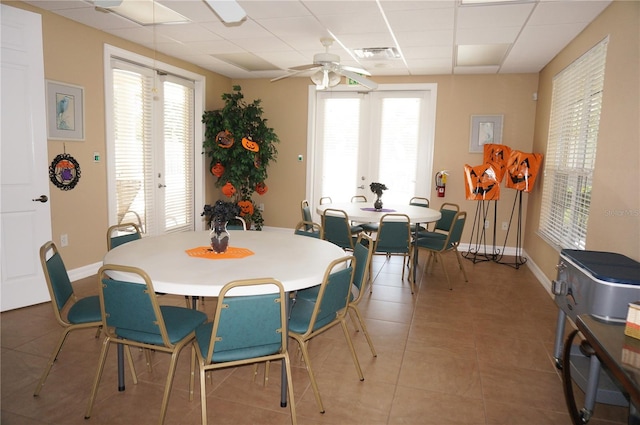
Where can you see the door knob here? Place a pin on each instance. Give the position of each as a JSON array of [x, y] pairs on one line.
[[42, 198]]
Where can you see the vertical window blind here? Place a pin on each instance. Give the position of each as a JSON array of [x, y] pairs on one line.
[[571, 149], [153, 148]]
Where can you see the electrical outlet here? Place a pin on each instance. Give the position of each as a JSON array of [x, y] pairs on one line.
[[64, 240], [261, 207], [486, 224], [505, 225]]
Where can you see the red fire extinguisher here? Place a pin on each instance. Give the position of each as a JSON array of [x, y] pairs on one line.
[[441, 182]]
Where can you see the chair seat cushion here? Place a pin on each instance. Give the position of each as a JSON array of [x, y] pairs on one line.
[[301, 316], [85, 310], [434, 235], [203, 339], [180, 322], [431, 243], [356, 229], [369, 227]]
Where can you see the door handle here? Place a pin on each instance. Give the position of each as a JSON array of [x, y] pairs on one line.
[[42, 198], [360, 187], [160, 185]]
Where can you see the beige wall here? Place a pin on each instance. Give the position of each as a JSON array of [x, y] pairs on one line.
[[614, 218], [73, 53]]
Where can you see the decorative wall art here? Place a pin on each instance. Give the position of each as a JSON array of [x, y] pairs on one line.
[[64, 171], [65, 111], [485, 129]]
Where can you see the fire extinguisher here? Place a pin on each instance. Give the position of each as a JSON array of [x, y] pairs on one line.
[[441, 182]]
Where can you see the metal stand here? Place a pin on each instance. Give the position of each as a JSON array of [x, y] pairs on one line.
[[478, 245], [518, 258]]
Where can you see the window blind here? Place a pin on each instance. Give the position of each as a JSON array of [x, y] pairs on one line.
[[571, 149]]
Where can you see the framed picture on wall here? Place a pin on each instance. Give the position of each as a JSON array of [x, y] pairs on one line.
[[485, 129], [65, 111]]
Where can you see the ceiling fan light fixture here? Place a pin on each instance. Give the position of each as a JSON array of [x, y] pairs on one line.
[[324, 79]]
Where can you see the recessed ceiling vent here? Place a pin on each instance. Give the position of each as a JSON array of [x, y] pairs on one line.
[[377, 53]]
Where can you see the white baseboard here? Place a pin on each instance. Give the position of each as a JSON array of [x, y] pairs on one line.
[[84, 271]]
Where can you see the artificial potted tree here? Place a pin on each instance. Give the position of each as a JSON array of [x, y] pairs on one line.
[[240, 146]]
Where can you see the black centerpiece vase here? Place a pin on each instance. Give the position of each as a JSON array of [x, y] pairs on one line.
[[219, 235], [378, 204]]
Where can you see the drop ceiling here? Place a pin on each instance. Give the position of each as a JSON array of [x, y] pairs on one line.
[[500, 37]]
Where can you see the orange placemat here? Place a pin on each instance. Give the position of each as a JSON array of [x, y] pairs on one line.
[[207, 252]]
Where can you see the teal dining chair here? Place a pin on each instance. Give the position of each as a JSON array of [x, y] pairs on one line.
[[308, 228], [436, 246], [443, 225], [132, 316], [394, 238], [363, 253], [245, 330], [81, 313], [309, 318], [122, 233], [336, 228]]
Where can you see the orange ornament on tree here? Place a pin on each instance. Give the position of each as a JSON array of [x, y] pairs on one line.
[[217, 170], [246, 208], [261, 188], [250, 145], [228, 190]]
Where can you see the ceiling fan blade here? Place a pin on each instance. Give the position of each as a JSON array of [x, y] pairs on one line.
[[356, 70], [228, 10], [359, 79], [305, 67], [291, 74]]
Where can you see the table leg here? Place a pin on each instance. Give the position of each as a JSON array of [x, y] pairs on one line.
[[120, 349], [283, 373]]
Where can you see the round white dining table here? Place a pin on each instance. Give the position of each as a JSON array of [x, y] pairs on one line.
[[297, 261], [363, 212]]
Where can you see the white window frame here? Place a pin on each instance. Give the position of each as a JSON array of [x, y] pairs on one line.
[[111, 52], [571, 150]]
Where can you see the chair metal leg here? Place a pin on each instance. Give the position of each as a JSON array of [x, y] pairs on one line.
[[52, 359], [167, 385], [192, 375], [292, 403], [307, 361], [464, 272], [354, 309], [345, 330], [96, 382], [127, 352], [203, 395]]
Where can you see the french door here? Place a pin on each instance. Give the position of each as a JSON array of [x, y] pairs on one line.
[[384, 136], [152, 147]]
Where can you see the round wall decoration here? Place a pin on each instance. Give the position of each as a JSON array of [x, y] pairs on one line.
[[64, 171]]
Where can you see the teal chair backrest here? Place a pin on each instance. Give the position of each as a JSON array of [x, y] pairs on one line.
[[456, 231], [306, 211], [123, 239], [446, 219], [58, 277], [394, 236], [337, 229], [130, 310], [362, 254], [335, 296], [248, 326]]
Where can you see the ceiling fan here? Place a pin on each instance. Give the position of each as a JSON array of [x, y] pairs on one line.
[[329, 70]]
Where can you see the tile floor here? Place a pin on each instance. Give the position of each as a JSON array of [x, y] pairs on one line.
[[479, 354]]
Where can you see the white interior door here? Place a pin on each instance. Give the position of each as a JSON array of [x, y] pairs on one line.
[[384, 136], [25, 218]]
